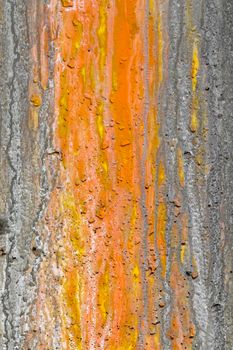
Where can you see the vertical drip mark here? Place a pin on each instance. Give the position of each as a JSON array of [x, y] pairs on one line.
[[161, 220], [126, 108], [144, 263], [196, 188], [180, 167], [161, 235], [102, 36], [155, 179], [194, 124], [108, 215], [160, 49]]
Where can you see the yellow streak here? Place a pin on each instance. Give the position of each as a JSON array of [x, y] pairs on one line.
[[78, 34], [195, 66], [160, 50], [180, 165], [102, 33], [104, 294], [136, 272], [83, 74], [100, 124], [161, 175], [182, 253]]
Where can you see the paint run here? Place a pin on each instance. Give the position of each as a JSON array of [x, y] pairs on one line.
[[102, 283], [194, 124]]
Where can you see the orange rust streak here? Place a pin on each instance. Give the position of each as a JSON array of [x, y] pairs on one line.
[[106, 138], [101, 130], [101, 175]]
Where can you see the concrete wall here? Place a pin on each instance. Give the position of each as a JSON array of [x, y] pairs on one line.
[[116, 174]]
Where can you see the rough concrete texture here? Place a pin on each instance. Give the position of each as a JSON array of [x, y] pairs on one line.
[[116, 174]]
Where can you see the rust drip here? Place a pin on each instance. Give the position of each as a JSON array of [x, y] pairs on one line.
[[101, 285]]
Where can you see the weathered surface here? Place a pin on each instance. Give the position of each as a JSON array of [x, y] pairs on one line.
[[116, 162]]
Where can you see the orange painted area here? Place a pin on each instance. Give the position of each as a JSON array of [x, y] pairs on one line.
[[99, 121], [102, 282]]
